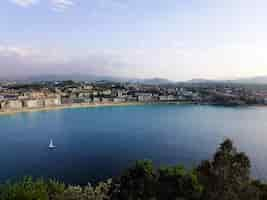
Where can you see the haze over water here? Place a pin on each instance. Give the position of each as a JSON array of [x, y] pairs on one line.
[[98, 143]]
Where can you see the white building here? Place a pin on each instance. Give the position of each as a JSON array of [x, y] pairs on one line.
[[96, 99], [119, 100], [34, 103], [172, 98], [52, 101], [88, 87], [144, 97], [12, 105], [168, 98], [107, 92], [163, 98], [106, 100]]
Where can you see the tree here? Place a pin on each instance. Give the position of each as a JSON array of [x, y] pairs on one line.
[[143, 182], [25, 189], [55, 190], [227, 175], [139, 182], [176, 182]]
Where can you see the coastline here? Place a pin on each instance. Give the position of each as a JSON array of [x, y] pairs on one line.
[[67, 106], [83, 105], [95, 105]]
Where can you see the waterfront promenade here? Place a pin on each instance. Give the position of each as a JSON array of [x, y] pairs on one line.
[[67, 106]]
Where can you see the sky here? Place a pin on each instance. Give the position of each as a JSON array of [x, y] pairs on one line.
[[174, 39]]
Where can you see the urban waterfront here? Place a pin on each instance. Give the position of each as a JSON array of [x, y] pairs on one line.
[[97, 143]]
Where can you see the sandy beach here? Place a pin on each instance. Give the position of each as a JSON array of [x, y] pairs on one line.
[[69, 106], [93, 105]]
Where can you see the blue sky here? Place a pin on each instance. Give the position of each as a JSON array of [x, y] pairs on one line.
[[175, 39]]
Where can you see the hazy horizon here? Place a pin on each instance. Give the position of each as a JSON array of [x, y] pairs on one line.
[[177, 40], [83, 76]]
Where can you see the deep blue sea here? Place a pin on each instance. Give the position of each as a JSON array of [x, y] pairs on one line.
[[97, 143]]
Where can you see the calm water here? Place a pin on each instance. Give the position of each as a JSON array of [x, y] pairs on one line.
[[97, 143]]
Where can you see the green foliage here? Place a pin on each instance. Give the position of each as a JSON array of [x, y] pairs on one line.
[[227, 175], [177, 182], [26, 189], [29, 189], [137, 183], [260, 188], [144, 182], [55, 189], [73, 193], [99, 192]]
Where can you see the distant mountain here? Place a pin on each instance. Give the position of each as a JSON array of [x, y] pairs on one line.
[[86, 77], [200, 81], [62, 77], [154, 81], [250, 80]]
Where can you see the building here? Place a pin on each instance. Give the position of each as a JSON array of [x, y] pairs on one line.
[[88, 87], [87, 100], [107, 92], [96, 100], [106, 100], [10, 96], [172, 98], [56, 101], [66, 100], [181, 98], [33, 103], [171, 90], [120, 93], [119, 100], [95, 93], [36, 95], [132, 98], [144, 97], [78, 100], [163, 98], [12, 105], [84, 95]]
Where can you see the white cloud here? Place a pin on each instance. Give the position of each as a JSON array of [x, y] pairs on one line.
[[20, 61], [24, 3], [57, 5], [176, 63], [33, 55], [61, 5]]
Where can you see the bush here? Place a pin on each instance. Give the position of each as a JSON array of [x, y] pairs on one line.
[[25, 189]]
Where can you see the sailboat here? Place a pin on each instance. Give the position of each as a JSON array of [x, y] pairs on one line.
[[51, 145]]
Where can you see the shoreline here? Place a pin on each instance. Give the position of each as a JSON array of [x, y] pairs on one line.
[[67, 106], [95, 105]]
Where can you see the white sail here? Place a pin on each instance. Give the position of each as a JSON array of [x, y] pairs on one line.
[[51, 145]]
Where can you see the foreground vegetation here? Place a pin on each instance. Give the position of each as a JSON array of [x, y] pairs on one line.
[[225, 177]]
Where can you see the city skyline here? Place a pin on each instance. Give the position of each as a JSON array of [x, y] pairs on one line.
[[177, 40]]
